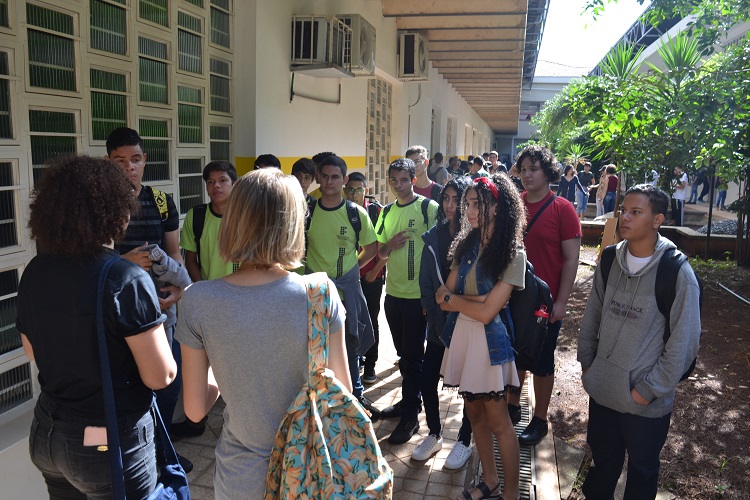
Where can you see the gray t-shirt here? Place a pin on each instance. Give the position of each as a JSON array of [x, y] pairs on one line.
[[255, 338]]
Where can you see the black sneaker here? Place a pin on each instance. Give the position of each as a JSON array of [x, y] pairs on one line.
[[404, 431], [515, 414], [534, 432], [187, 429], [392, 411], [370, 408], [369, 377]]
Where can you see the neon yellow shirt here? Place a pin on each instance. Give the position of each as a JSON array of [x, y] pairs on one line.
[[212, 265]]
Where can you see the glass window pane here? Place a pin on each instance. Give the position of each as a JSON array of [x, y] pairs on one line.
[[6, 127], [15, 387], [44, 148], [220, 94], [108, 30], [153, 81], [190, 123], [224, 4], [108, 112], [154, 11], [190, 52], [10, 339], [8, 221], [191, 185], [219, 27], [189, 22], [220, 142], [106, 80], [157, 167], [4, 13], [199, 3], [49, 19], [51, 61], [189, 94]]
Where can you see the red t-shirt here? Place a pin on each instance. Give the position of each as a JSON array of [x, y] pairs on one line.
[[426, 192], [612, 183], [559, 222]]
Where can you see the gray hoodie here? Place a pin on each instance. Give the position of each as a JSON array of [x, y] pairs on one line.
[[621, 341]]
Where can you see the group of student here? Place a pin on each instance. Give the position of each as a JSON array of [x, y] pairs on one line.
[[454, 252]]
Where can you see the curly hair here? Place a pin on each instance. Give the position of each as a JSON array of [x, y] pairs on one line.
[[507, 233], [544, 156], [459, 184], [79, 204]]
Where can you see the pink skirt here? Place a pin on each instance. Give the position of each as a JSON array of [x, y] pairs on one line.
[[466, 364]]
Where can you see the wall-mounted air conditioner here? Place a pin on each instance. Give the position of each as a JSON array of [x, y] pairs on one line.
[[362, 53], [320, 45], [414, 57]]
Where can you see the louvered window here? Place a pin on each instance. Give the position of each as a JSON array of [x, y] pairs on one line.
[[220, 73], [221, 142], [53, 133], [108, 31], [191, 183], [6, 123], [153, 78], [52, 61], [155, 11], [4, 19], [155, 135], [189, 43], [189, 114], [108, 103], [220, 17]]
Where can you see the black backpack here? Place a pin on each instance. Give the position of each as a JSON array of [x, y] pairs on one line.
[[351, 213], [666, 282], [199, 220], [527, 317], [425, 213]]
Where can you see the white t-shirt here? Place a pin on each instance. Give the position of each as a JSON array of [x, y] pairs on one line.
[[635, 264], [680, 193]]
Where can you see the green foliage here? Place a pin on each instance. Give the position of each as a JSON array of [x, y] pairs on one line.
[[620, 62]]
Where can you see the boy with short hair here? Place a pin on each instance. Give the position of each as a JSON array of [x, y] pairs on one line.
[[266, 161], [423, 185], [304, 170], [629, 371]]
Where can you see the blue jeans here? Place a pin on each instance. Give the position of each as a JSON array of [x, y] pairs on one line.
[[353, 360], [583, 201], [694, 193], [74, 471], [609, 202], [721, 199], [610, 434], [409, 331]]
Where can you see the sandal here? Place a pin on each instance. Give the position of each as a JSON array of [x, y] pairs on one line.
[[486, 491]]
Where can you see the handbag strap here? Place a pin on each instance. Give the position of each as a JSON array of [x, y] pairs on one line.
[[318, 303], [536, 216]]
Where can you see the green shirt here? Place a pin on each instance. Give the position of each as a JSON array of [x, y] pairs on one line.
[[212, 266], [331, 240], [403, 263]]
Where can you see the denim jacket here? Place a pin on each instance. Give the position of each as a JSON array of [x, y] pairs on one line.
[[498, 341]]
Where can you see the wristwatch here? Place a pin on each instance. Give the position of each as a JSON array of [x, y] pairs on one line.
[[447, 298]]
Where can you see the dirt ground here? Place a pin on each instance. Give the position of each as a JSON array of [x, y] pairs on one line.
[[707, 454]]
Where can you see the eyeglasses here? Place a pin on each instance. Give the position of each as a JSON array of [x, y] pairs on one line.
[[354, 190]]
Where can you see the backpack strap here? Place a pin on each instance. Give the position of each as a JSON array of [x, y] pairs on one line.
[[605, 263], [386, 209], [536, 216], [354, 219], [425, 211], [318, 304], [436, 189], [160, 199], [666, 283], [199, 221], [373, 211]]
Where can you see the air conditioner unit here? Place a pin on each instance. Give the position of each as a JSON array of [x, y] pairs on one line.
[[414, 57], [362, 53], [319, 46]]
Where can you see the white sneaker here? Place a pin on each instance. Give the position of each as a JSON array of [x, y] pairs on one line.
[[428, 447], [458, 456]]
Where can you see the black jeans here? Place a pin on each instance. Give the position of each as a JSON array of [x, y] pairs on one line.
[[433, 359], [610, 435], [409, 330], [373, 291], [74, 471]]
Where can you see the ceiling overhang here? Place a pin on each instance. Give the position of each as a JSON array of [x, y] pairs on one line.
[[482, 48]]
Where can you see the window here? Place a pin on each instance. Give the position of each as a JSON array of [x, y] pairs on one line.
[[220, 23], [6, 123], [52, 62], [16, 385], [155, 135], [155, 11], [4, 18], [153, 79], [52, 133], [9, 223], [108, 104], [189, 116], [191, 183], [220, 73], [198, 3], [220, 142], [108, 32], [189, 43]]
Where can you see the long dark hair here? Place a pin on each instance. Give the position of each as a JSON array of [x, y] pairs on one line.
[[459, 184], [507, 233]]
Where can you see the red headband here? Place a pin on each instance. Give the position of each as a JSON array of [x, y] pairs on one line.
[[489, 184]]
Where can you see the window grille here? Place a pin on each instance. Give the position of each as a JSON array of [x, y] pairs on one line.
[[6, 124], [155, 135], [220, 88], [153, 79], [220, 34], [221, 142], [52, 133], [108, 31], [198, 3], [52, 62], [15, 387], [189, 116], [191, 183], [10, 339], [108, 108], [155, 11], [4, 19], [9, 186], [189, 43]]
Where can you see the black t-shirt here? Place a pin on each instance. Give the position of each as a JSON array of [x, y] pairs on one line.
[[57, 313], [585, 178], [147, 225]]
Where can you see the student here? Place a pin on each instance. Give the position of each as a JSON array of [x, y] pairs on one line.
[[266, 161], [628, 371], [332, 248], [437, 171], [612, 182], [317, 159], [423, 185], [433, 271], [371, 275], [476, 168], [570, 187], [156, 222], [488, 264], [245, 335], [219, 177], [304, 170], [454, 167], [552, 244], [678, 197], [587, 180], [496, 167], [398, 230], [601, 191]]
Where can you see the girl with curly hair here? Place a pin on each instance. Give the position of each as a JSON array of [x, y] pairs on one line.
[[80, 207], [489, 262]]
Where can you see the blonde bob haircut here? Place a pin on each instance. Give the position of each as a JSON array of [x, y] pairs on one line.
[[265, 221]]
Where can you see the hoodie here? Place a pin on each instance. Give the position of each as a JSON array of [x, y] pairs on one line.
[[621, 342]]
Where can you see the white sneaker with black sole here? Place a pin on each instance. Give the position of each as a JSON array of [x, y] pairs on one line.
[[458, 456], [428, 447]]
